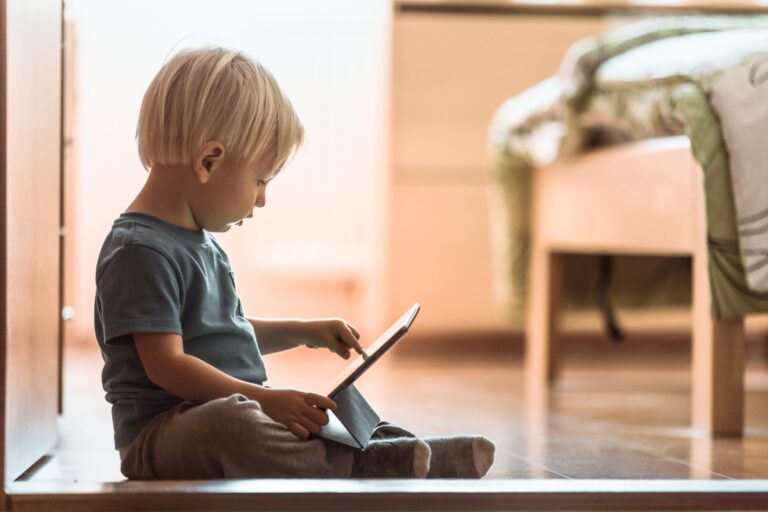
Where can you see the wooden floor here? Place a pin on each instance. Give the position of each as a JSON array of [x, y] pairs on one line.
[[618, 412]]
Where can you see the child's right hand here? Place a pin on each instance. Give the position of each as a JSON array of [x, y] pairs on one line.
[[297, 410]]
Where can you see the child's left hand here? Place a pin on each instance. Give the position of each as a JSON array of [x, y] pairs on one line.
[[332, 333]]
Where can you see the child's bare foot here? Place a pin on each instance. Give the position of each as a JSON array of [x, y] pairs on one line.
[[393, 458], [460, 456]]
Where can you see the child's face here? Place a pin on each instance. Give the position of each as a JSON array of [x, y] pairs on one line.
[[231, 194]]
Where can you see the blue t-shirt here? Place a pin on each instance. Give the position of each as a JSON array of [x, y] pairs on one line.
[[153, 276]]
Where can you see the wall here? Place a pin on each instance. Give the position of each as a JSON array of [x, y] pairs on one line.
[[451, 72], [318, 246]]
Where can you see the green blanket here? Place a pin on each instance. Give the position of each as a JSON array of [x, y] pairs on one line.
[[581, 109]]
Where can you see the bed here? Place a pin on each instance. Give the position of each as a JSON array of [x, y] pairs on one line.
[[697, 88]]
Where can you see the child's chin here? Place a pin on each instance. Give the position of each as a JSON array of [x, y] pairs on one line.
[[219, 229], [226, 227]]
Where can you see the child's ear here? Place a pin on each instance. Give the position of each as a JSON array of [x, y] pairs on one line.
[[208, 160]]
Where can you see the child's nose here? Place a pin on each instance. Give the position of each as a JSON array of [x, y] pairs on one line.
[[261, 200]]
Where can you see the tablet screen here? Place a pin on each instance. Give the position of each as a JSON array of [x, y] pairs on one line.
[[374, 351]]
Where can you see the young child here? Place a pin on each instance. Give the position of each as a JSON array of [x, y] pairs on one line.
[[183, 365]]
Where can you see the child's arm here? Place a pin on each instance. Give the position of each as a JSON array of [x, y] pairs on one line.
[[192, 379], [276, 335]]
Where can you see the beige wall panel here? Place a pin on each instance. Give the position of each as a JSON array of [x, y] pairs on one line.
[[31, 224], [442, 257], [452, 71]]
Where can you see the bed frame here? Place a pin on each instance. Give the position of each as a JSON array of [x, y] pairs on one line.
[[620, 201]]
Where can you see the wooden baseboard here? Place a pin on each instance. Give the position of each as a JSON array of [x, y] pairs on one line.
[[575, 344], [414, 495]]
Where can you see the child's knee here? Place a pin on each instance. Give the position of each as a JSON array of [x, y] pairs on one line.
[[234, 408], [236, 415]]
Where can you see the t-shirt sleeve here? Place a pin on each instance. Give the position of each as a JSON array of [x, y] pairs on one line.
[[139, 291]]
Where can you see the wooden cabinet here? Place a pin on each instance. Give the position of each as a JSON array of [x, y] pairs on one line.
[[451, 71]]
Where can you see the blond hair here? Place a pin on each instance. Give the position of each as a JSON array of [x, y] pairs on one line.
[[216, 94]]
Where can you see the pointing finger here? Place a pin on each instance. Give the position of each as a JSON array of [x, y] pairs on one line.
[[350, 338]]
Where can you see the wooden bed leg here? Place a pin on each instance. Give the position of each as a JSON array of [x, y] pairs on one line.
[[717, 373], [718, 377], [541, 361], [541, 357], [717, 385]]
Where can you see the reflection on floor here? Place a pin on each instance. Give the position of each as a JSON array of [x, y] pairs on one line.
[[613, 414]]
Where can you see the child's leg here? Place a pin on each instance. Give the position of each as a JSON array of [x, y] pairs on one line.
[[233, 438], [230, 438]]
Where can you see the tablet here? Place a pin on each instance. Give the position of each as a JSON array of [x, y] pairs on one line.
[[374, 351]]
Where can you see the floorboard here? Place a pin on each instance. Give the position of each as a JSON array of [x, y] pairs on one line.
[[614, 434]]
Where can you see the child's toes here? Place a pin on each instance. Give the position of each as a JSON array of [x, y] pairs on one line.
[[421, 458], [483, 450], [460, 456], [393, 458]]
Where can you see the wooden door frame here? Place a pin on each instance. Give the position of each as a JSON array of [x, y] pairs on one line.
[[30, 137], [4, 503]]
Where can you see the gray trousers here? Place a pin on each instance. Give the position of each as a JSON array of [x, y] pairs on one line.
[[229, 438]]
